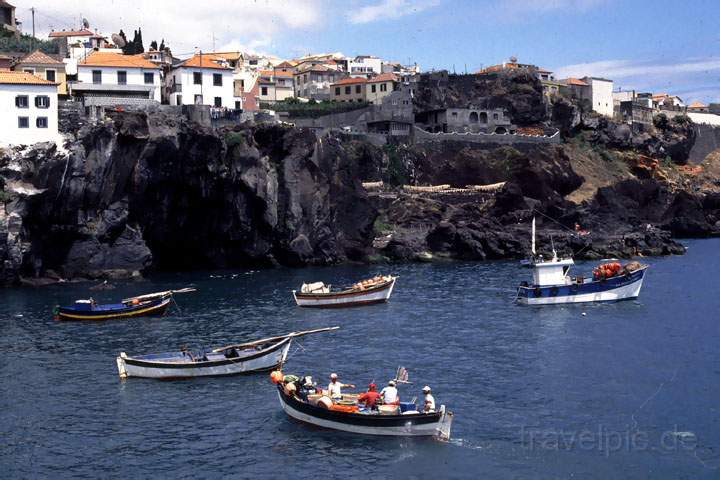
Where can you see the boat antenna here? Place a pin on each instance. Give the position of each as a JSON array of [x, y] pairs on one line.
[[533, 236], [552, 243]]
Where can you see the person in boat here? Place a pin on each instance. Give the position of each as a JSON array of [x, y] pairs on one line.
[[429, 400], [390, 394], [335, 387], [371, 397]]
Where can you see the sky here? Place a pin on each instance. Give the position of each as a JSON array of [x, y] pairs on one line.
[[648, 45]]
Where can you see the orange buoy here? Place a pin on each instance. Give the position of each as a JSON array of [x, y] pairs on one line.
[[277, 377], [136, 301]]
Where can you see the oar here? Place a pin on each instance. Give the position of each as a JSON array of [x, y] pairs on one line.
[[159, 294], [271, 339]]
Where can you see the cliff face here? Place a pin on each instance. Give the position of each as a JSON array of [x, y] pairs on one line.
[[151, 190]]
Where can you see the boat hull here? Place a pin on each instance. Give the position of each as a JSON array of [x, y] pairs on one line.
[[153, 308], [418, 425], [266, 359], [353, 298], [624, 287]]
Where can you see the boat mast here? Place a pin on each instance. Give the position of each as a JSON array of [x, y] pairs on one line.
[[533, 237]]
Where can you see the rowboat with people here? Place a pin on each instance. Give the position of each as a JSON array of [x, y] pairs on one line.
[[366, 292], [140, 306], [303, 400], [249, 357], [551, 283]]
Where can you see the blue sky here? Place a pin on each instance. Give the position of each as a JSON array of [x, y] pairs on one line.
[[660, 45]]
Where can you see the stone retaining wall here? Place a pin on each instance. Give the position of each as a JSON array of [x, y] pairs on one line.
[[423, 136]]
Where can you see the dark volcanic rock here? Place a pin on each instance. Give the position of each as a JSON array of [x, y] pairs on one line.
[[517, 91], [153, 190]]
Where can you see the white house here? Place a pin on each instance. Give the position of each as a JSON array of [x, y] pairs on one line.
[[107, 79], [365, 66], [28, 109], [601, 95], [204, 79]]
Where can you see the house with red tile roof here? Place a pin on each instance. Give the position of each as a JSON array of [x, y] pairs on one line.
[[109, 79], [28, 109], [596, 91], [275, 85], [44, 66], [360, 89], [203, 79], [314, 81]]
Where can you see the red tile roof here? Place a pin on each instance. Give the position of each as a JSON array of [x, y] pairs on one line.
[[351, 81], [38, 58], [206, 60], [697, 105], [71, 33], [576, 81], [111, 59], [385, 77], [22, 78]]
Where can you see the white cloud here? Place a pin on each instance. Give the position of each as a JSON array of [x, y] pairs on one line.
[[390, 9], [185, 24], [619, 69]]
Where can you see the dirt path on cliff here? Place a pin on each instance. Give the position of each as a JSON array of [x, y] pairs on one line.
[[599, 167]]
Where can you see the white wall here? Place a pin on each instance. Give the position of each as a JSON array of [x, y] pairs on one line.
[[708, 118], [602, 96], [10, 134], [184, 76], [135, 76], [368, 64]]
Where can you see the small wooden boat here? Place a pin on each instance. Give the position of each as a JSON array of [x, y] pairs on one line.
[[319, 295], [140, 306], [249, 357], [552, 285], [319, 410]]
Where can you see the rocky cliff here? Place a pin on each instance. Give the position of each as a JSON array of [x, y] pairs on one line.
[[148, 190]]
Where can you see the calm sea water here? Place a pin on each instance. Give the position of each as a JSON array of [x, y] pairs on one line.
[[630, 389]]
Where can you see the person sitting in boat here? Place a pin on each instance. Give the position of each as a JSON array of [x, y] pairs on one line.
[[390, 394], [370, 397], [335, 387], [429, 400]]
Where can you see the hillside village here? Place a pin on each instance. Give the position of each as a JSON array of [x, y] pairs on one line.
[[92, 71]]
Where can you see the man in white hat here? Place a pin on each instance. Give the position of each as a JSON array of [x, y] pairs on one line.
[[335, 387], [429, 400], [390, 394]]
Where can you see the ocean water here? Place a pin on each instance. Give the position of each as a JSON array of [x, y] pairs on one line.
[[622, 390]]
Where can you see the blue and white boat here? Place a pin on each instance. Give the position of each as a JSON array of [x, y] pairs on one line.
[[552, 284]]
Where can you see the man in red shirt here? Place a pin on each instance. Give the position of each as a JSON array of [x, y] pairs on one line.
[[370, 397]]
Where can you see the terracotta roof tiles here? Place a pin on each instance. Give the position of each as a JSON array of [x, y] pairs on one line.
[[71, 33], [22, 78], [38, 58], [109, 59], [206, 60]]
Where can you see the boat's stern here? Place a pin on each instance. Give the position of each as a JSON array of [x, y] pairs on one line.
[[121, 365], [522, 295]]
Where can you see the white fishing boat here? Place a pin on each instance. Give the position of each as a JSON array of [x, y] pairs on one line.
[[551, 283], [319, 295], [260, 355]]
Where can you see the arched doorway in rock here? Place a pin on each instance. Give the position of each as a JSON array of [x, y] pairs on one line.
[[473, 117], [483, 117], [501, 130]]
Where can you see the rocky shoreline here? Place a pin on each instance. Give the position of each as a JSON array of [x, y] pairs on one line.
[[145, 191]]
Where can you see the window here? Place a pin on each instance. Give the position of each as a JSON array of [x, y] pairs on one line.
[[30, 71], [50, 75], [198, 100], [197, 78], [149, 78], [42, 101], [41, 122], [454, 114], [495, 116], [122, 77], [473, 117], [237, 105], [263, 91], [358, 89], [23, 122], [337, 90], [347, 90], [218, 101], [179, 100], [305, 78], [373, 88], [383, 87], [217, 79], [242, 84], [22, 101], [97, 76]]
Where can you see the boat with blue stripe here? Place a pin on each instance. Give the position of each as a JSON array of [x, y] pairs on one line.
[[552, 284], [140, 306]]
